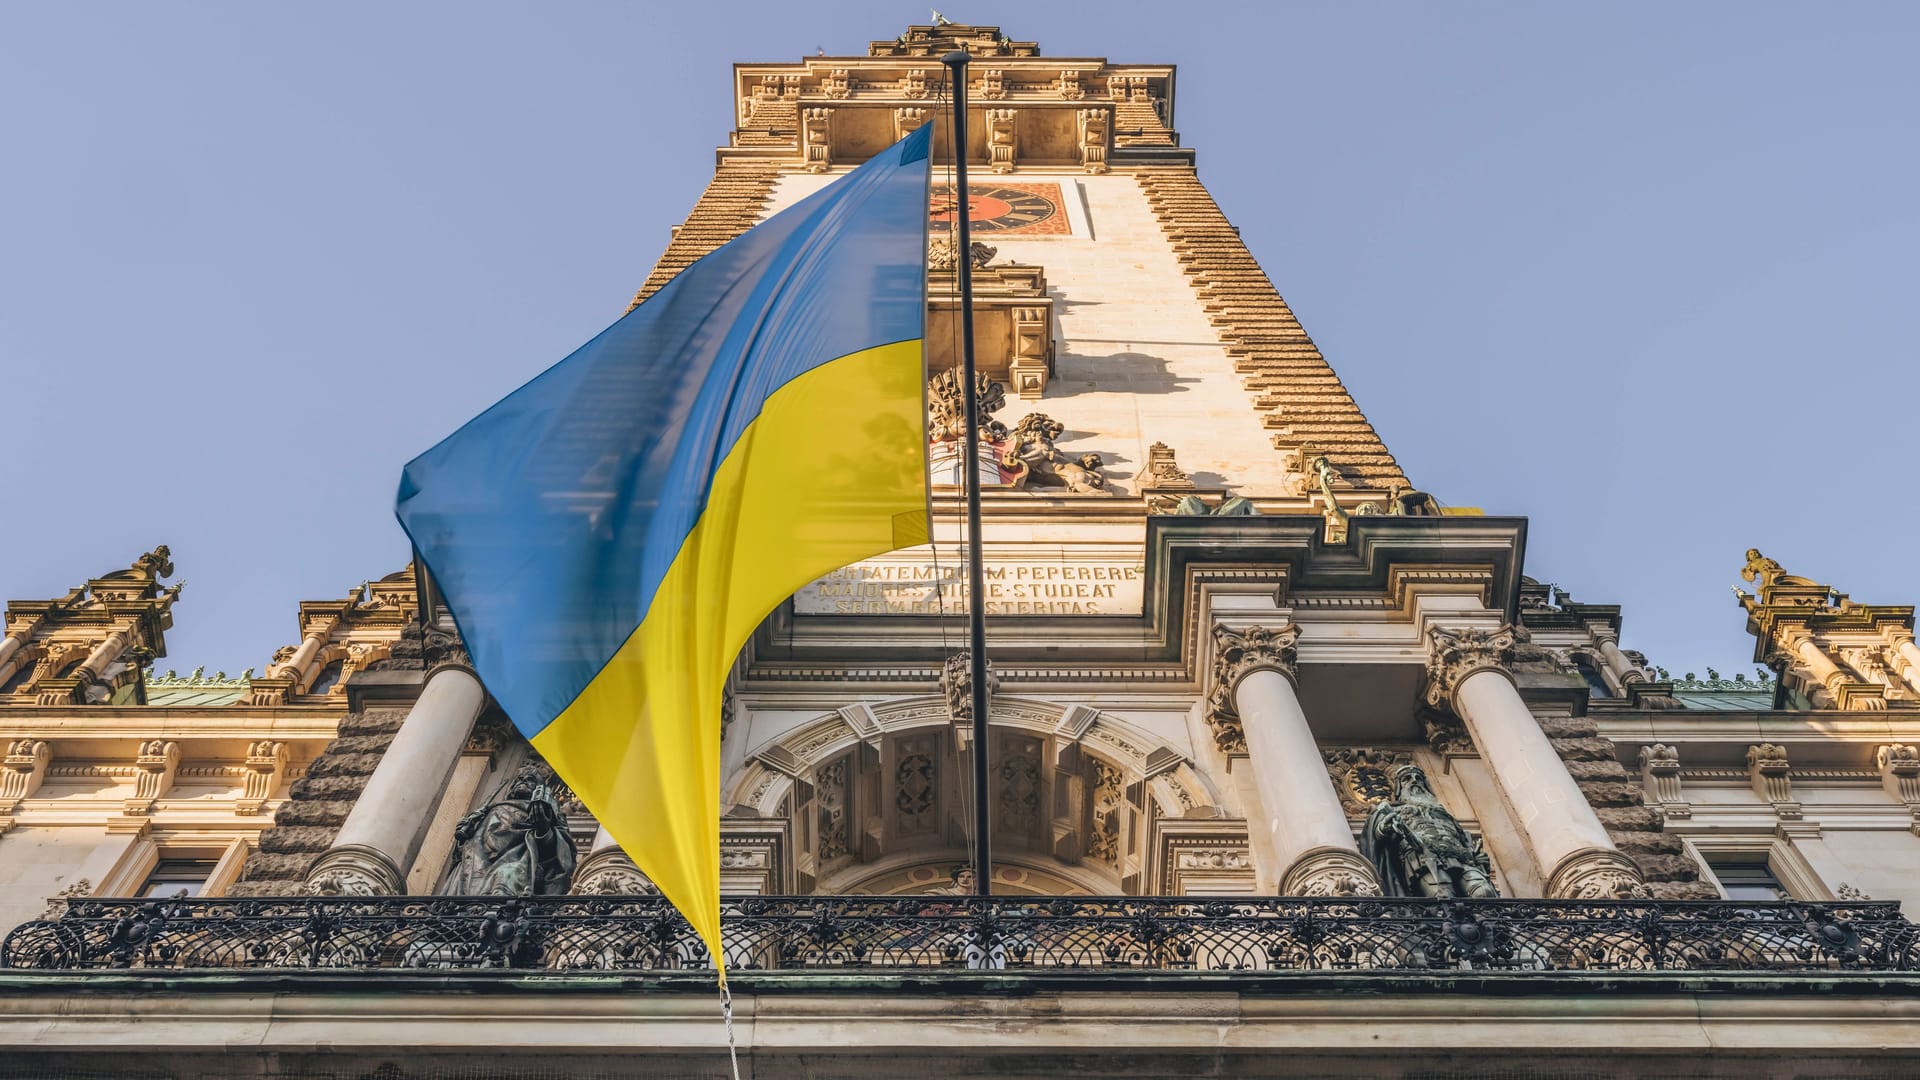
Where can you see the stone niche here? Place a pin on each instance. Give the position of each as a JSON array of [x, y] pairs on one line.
[[1012, 325]]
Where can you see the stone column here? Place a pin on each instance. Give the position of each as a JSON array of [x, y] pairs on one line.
[[607, 871], [1467, 671], [295, 667], [102, 656], [1623, 669], [1827, 674], [14, 643], [382, 833], [1904, 650], [1253, 674]]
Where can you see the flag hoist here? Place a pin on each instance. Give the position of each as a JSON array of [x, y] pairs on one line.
[[609, 535]]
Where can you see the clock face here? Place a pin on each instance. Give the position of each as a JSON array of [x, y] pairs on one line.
[[1002, 208]]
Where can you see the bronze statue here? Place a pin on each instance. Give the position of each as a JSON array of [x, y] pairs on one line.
[[1418, 849], [516, 845]]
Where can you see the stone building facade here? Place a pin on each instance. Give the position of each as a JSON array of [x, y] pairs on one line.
[[1293, 766]]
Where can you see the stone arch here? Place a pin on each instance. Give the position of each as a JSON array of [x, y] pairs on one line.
[[873, 783]]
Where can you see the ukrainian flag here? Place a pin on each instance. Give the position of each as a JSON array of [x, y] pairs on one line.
[[609, 535]]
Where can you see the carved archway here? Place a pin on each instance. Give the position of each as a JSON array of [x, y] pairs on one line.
[[875, 786]]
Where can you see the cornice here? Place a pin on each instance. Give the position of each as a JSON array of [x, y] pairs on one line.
[[1385, 564]]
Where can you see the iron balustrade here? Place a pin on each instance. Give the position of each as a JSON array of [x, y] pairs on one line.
[[860, 933]]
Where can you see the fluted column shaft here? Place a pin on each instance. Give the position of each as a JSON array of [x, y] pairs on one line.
[[1305, 824], [382, 834], [1575, 856]]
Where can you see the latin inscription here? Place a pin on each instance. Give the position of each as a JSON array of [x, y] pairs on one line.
[[1026, 588]]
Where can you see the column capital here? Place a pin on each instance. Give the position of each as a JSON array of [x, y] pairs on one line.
[[1454, 655], [1238, 653], [442, 648]]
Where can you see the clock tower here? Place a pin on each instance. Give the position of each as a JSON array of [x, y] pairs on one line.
[[1117, 299]]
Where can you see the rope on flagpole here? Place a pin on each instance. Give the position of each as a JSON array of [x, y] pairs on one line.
[[726, 1014]]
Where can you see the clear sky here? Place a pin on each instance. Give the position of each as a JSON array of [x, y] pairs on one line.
[[1642, 272]]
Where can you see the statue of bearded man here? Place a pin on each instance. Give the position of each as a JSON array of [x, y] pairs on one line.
[[516, 845], [1418, 849]]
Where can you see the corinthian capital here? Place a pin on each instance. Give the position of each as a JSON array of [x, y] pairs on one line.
[[1237, 654], [1453, 655]]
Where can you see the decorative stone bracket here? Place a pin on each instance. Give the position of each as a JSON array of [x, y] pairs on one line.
[[266, 763], [1899, 768], [1768, 772], [1660, 781], [816, 138], [155, 766], [22, 771]]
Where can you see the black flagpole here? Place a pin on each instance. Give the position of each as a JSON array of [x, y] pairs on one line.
[[976, 573]]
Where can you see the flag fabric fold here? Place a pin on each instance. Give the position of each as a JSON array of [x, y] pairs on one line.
[[608, 536]]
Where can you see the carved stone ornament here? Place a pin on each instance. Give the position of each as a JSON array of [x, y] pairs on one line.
[[956, 682], [1362, 777], [940, 254], [609, 872], [1446, 734], [947, 408], [1330, 872], [1163, 473], [1455, 655], [57, 903], [442, 647], [1237, 654], [354, 870], [1597, 874]]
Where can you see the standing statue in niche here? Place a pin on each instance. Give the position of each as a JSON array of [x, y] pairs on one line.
[[517, 844], [1418, 849]]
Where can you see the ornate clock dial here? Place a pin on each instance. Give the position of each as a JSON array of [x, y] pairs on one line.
[[993, 208]]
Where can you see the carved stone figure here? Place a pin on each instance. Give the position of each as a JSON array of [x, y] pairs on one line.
[[1195, 506], [1418, 849], [1032, 461], [516, 845]]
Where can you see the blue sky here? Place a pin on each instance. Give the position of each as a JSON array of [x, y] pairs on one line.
[[1642, 272]]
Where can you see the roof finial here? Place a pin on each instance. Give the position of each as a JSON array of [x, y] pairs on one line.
[[941, 20]]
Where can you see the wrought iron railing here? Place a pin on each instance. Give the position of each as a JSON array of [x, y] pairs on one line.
[[840, 933]]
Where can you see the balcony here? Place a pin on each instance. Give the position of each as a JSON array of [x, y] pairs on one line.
[[1109, 936]]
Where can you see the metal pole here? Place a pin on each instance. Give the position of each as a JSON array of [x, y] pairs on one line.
[[976, 572]]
